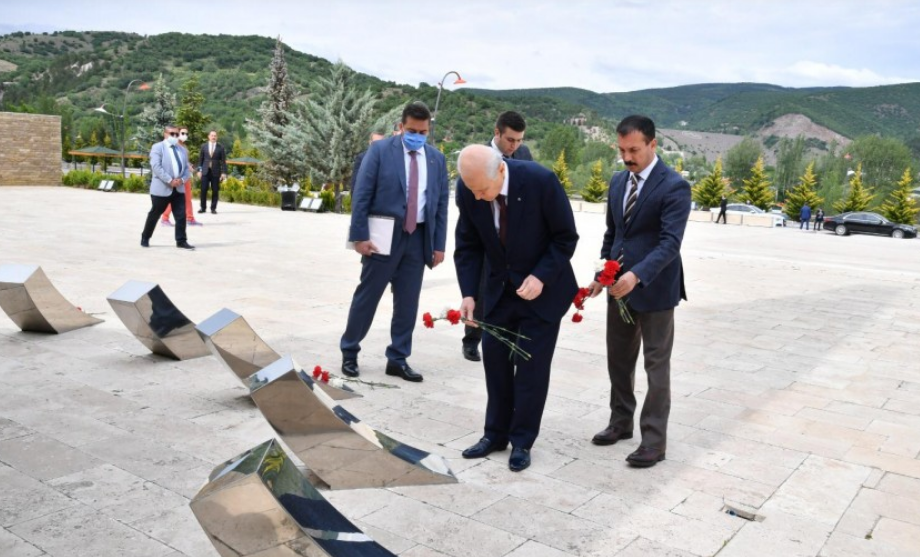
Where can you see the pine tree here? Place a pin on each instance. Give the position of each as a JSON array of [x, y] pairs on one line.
[[336, 120], [562, 172], [708, 192], [679, 166], [804, 192], [596, 188], [280, 145], [757, 190], [190, 116], [157, 116], [859, 196], [237, 150], [901, 207]]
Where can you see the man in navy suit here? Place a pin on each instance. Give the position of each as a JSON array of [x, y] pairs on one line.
[[515, 215], [403, 179], [646, 217], [509, 141]]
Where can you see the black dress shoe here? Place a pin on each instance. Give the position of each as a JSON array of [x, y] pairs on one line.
[[404, 371], [520, 459], [471, 353], [202, 211], [645, 457], [185, 245], [145, 243], [213, 211], [610, 436], [350, 367], [484, 448]]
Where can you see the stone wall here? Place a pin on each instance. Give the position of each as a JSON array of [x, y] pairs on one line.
[[30, 149]]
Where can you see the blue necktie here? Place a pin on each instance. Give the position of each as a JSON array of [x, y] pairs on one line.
[[178, 160]]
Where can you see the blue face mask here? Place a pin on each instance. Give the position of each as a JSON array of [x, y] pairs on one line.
[[414, 141]]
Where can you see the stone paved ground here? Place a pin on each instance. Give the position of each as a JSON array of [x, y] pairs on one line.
[[795, 376]]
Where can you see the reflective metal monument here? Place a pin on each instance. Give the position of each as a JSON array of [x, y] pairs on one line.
[[341, 450], [155, 321], [232, 341], [260, 505], [34, 304]]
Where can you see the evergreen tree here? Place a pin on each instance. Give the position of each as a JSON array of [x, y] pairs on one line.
[[157, 116], [708, 192], [336, 120], [859, 196], [280, 144], [806, 191], [190, 116], [901, 207], [597, 187], [237, 150], [562, 172], [757, 190], [679, 166]]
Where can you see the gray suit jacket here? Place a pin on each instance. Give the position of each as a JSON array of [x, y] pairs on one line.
[[161, 169]]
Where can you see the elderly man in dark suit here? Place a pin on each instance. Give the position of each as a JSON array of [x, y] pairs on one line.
[[515, 215], [646, 217], [508, 140], [402, 179], [212, 169]]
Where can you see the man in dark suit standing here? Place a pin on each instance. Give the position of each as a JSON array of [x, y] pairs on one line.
[[648, 210], [508, 140], [515, 215], [212, 169], [403, 179]]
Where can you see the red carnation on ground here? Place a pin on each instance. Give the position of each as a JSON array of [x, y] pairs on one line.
[[317, 371], [325, 376], [577, 318]]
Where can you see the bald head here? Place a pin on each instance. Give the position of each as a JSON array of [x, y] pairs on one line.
[[482, 170]]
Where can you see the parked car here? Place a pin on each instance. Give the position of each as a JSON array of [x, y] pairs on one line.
[[867, 223], [742, 208]]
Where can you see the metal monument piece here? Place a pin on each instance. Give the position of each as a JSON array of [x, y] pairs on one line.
[[344, 452], [260, 505], [232, 341], [34, 304], [155, 321]]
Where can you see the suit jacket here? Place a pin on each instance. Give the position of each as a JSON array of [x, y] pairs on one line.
[[541, 240], [522, 153], [381, 189], [217, 162], [359, 158], [161, 169], [651, 242]]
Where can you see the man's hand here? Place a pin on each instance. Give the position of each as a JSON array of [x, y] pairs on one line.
[[624, 285], [595, 288], [199, 175], [466, 311], [175, 183], [223, 177], [531, 288], [365, 248], [437, 259]]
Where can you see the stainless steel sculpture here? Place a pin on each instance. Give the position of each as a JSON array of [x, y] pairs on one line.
[[344, 452], [155, 321], [260, 505], [232, 341], [34, 304]]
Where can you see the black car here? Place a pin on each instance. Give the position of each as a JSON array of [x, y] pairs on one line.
[[867, 223]]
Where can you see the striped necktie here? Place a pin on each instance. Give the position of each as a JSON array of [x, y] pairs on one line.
[[630, 206]]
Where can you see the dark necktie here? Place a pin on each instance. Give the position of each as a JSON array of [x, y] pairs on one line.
[[412, 202], [178, 159], [630, 205], [502, 218]]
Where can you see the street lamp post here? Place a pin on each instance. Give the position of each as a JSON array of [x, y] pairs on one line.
[[124, 115], [434, 115]]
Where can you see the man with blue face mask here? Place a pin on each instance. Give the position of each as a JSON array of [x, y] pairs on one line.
[[404, 180], [169, 170]]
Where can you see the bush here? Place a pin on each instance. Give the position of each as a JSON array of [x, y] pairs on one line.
[[328, 197], [346, 204], [135, 183]]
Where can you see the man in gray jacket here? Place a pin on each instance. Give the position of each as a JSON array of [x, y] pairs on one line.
[[169, 170]]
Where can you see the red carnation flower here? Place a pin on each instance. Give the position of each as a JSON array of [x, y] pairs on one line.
[[577, 318], [453, 316], [428, 320], [317, 371], [325, 378]]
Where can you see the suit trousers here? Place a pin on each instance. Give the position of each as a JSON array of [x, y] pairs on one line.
[[210, 178], [472, 336], [516, 387], [189, 211], [159, 204], [654, 331], [404, 269]]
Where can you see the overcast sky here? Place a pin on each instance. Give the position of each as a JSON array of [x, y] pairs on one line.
[[604, 46]]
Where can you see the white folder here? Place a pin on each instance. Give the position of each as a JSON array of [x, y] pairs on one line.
[[381, 233]]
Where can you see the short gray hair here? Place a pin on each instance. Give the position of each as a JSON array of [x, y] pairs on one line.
[[493, 163]]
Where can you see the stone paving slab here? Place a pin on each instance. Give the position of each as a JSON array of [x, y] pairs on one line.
[[795, 396]]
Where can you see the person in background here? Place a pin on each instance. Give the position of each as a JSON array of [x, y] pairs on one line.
[[804, 216], [212, 169], [723, 206], [819, 219], [189, 213]]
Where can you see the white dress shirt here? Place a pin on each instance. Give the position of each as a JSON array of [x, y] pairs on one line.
[[422, 179], [642, 176], [495, 207]]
